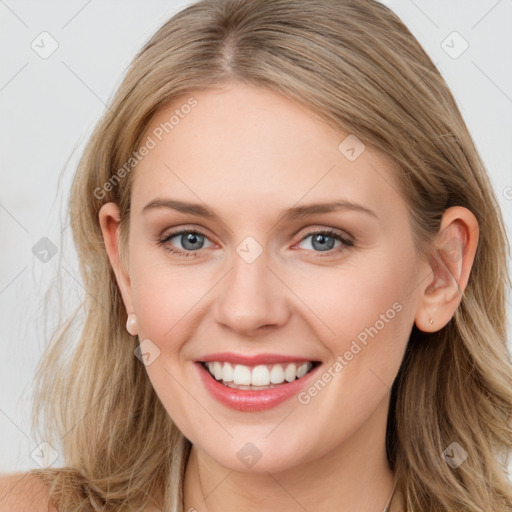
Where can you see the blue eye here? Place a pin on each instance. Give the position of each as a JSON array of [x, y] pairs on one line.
[[193, 241], [324, 241]]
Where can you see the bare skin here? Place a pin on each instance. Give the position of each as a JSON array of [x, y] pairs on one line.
[[249, 154]]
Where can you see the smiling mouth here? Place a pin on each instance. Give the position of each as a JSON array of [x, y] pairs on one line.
[[257, 377]]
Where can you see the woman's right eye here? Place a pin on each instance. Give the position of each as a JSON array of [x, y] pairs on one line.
[[192, 242]]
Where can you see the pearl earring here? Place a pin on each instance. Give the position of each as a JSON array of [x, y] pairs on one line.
[[131, 324], [431, 321]]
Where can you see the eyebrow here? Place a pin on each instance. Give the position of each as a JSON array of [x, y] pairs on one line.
[[294, 213]]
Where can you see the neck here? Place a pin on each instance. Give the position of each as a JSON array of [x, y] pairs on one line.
[[353, 476]]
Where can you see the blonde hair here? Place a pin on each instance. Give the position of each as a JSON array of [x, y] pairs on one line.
[[357, 66]]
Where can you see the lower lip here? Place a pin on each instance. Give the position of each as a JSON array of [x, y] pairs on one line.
[[248, 400]]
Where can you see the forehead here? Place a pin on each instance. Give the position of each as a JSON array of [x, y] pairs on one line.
[[242, 146]]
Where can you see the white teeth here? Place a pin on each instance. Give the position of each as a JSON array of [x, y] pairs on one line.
[[227, 373], [242, 375], [277, 374], [302, 370], [217, 370], [291, 372], [260, 375]]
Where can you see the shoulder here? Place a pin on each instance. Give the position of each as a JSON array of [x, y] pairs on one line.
[[23, 492]]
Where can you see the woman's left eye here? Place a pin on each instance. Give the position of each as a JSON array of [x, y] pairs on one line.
[[324, 241], [193, 241]]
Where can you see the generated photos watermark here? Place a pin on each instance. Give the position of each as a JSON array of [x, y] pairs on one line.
[[151, 142], [356, 346]]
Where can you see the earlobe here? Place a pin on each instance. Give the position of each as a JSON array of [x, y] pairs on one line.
[[131, 324], [109, 220], [450, 265]]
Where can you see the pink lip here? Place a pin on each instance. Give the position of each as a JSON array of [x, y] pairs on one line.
[[252, 401], [230, 357]]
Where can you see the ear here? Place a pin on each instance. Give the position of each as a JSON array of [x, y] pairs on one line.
[[109, 219], [450, 265]]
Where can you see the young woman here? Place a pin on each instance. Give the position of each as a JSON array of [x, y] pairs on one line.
[[296, 269]]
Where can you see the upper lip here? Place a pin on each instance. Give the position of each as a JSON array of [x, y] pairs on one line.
[[252, 360]]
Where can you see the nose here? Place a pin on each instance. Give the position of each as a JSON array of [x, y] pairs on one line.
[[252, 298]]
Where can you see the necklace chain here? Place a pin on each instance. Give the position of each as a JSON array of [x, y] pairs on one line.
[[386, 508]]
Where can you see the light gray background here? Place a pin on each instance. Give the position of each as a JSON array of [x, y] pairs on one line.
[[49, 106]]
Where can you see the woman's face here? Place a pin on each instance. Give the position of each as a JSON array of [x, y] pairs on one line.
[[266, 278]]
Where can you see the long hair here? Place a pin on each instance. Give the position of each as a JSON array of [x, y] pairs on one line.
[[358, 67]]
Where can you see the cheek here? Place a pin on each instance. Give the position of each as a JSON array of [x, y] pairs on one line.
[[369, 313], [166, 295], [168, 301], [364, 300]]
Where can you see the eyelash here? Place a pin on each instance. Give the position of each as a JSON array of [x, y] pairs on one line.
[[346, 243]]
